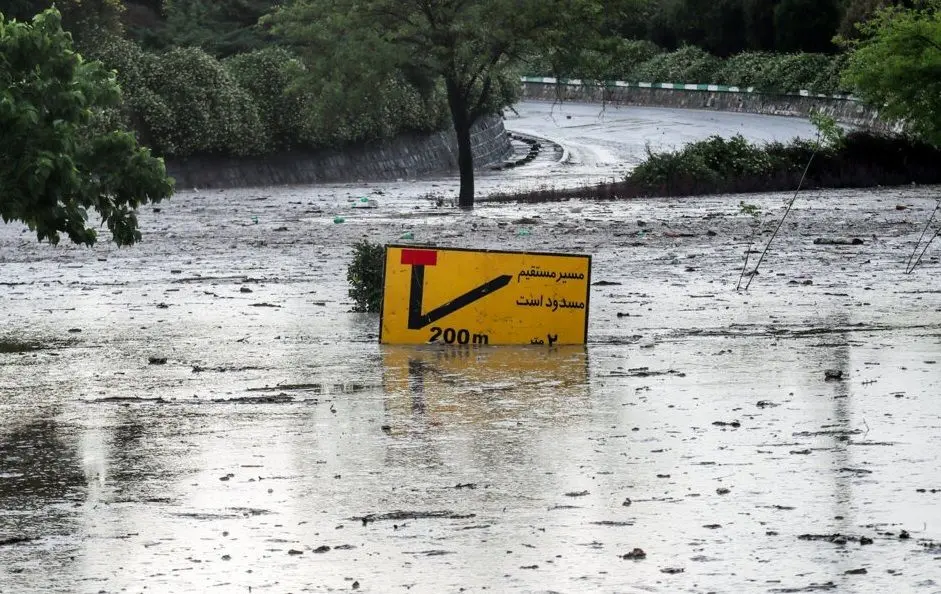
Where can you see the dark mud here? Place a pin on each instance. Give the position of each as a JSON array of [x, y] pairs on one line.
[[686, 448]]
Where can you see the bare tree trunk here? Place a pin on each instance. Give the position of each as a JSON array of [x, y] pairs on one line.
[[460, 116], [465, 163]]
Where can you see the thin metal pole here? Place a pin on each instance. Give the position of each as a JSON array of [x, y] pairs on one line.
[[786, 211], [908, 266]]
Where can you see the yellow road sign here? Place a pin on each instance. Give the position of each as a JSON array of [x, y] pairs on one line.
[[458, 296]]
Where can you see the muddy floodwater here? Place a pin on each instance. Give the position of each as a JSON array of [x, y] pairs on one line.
[[202, 412]]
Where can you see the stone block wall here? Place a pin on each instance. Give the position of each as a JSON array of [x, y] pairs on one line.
[[405, 157]]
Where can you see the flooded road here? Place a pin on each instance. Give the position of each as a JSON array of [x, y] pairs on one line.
[[202, 413]]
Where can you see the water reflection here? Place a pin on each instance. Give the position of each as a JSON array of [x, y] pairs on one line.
[[482, 386], [39, 466]]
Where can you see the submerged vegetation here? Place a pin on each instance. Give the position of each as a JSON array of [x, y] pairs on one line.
[[364, 275], [717, 165]]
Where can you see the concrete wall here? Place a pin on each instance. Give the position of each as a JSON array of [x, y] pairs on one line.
[[846, 110], [405, 157]]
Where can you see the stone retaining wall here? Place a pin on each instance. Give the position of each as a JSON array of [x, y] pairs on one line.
[[405, 157], [844, 109]]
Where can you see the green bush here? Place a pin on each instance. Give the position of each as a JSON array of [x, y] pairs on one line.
[[145, 111], [271, 77], [211, 113], [686, 65], [628, 56], [745, 69], [703, 163], [336, 115], [365, 276]]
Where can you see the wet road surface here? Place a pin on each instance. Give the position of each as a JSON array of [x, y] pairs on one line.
[[202, 413]]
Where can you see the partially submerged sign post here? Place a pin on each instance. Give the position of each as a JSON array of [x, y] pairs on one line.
[[458, 296]]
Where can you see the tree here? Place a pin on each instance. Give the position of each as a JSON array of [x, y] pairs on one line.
[[806, 25], [219, 27], [55, 164], [84, 19], [469, 47], [896, 66]]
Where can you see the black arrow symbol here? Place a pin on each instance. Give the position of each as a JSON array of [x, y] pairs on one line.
[[417, 320]]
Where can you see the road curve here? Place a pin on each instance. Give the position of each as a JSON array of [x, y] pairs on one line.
[[607, 141]]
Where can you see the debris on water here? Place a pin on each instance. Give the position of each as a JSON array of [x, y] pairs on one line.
[[645, 372], [245, 290], [295, 552], [672, 570], [337, 220], [838, 241], [18, 347], [365, 202], [156, 360], [811, 588], [627, 502], [766, 404], [713, 526], [322, 549], [860, 571], [576, 493], [604, 283], [14, 540], [636, 554], [723, 491], [407, 235], [833, 375], [856, 470], [355, 585], [736, 424], [412, 515], [523, 232], [839, 539], [904, 535]]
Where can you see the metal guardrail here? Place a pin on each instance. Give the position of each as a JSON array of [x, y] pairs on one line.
[[577, 82]]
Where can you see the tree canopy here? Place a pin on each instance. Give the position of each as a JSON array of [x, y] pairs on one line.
[[56, 162], [897, 67], [468, 48]]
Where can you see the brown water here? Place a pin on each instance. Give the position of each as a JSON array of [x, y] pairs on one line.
[[697, 424]]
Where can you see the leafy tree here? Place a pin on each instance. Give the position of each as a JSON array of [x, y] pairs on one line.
[[758, 16], [270, 76], [466, 46], [84, 19], [806, 25], [209, 111], [219, 27], [897, 67], [55, 167]]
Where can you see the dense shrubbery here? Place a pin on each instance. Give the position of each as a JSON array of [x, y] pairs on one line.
[[686, 65], [211, 112], [765, 71], [364, 274], [719, 166], [270, 76], [185, 102]]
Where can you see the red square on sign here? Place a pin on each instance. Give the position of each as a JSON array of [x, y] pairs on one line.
[[419, 257]]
